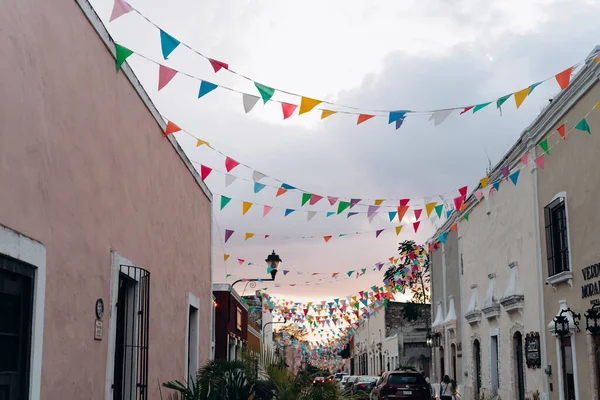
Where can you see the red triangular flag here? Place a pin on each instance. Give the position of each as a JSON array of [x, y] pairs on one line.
[[327, 238], [217, 65], [466, 109], [288, 109], [230, 164], [418, 213], [363, 117], [540, 161], [416, 225], [314, 199], [404, 202], [332, 200], [205, 172], [401, 211], [463, 191], [171, 128], [280, 191], [564, 77], [455, 228], [165, 74], [458, 202], [561, 131]]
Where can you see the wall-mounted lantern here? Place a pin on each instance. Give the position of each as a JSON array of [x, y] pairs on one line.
[[591, 320], [561, 322]]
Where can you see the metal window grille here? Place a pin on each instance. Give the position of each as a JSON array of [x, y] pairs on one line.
[[131, 350], [556, 237]]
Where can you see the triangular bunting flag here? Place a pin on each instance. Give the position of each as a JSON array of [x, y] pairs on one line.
[[200, 142], [416, 225], [206, 88], [514, 177], [438, 210], [266, 210], [440, 116], [230, 164], [501, 100], [225, 257], [583, 126], [561, 131], [305, 198], [458, 201], [392, 215], [354, 202], [121, 53], [401, 211], [525, 159], [342, 206], [429, 208], [484, 182], [258, 187], [327, 113], [564, 78], [467, 217], [120, 8], [332, 200], [363, 117], [399, 122], [540, 161], [454, 228], [398, 229], [330, 213], [314, 199], [229, 179], [496, 185], [466, 109], [280, 192], [396, 116], [372, 210], [257, 176], [378, 232], [463, 191], [246, 205], [504, 172], [249, 102], [217, 65], [418, 213], [327, 238], [288, 211], [167, 43], [288, 109], [521, 95], [171, 128], [224, 201], [478, 194], [204, 172], [310, 215], [265, 92], [165, 74], [378, 202], [544, 146], [228, 234], [480, 106], [248, 236], [307, 104]]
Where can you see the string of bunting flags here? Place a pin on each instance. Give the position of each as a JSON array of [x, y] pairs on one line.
[[306, 104], [486, 188]]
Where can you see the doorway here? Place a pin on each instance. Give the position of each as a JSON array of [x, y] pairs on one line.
[[518, 367], [494, 372], [567, 363], [477, 363], [453, 355], [442, 366]]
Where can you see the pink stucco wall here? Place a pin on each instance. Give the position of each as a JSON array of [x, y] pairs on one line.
[[84, 169]]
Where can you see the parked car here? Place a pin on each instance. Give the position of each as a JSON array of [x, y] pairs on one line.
[[343, 381], [339, 376], [330, 378], [401, 385], [319, 380], [350, 381], [364, 384]]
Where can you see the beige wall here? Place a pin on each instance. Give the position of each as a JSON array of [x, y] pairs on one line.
[[573, 167], [84, 169]]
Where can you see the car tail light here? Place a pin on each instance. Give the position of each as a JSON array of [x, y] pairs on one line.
[[360, 386]]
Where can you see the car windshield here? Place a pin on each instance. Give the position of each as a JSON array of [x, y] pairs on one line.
[[406, 379], [366, 379], [345, 378]]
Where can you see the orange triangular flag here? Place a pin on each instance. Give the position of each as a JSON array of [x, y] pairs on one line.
[[401, 211], [363, 117], [225, 257], [429, 207], [561, 131], [327, 113], [245, 207], [327, 238], [249, 235], [280, 191], [307, 104], [521, 95], [455, 228], [200, 142], [398, 229], [171, 128], [564, 77]]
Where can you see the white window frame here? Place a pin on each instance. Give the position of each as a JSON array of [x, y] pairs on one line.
[[565, 276], [32, 252], [192, 301]]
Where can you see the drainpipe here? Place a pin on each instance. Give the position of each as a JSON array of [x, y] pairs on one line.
[[460, 379], [536, 221], [445, 310]]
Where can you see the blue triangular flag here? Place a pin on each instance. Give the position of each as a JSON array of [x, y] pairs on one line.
[[206, 88], [392, 215], [514, 177], [399, 123], [258, 187], [442, 237], [330, 213], [168, 43], [533, 86], [496, 185], [287, 187], [396, 115], [449, 213], [350, 214], [288, 211]]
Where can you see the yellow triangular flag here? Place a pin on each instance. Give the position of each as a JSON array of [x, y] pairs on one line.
[[429, 207], [327, 113], [245, 207], [396, 260], [521, 95], [249, 235], [225, 257], [598, 105], [398, 229], [484, 182], [307, 104], [378, 202], [200, 142], [597, 59]]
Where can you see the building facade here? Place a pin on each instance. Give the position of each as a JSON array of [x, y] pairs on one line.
[[105, 236], [231, 323]]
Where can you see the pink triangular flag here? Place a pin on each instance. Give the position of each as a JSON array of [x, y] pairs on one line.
[[217, 65], [240, 261], [478, 194], [266, 210], [165, 74], [418, 213], [463, 191], [332, 200], [288, 109], [314, 199], [540, 161], [416, 225], [404, 202], [458, 202], [228, 234], [120, 8], [525, 158], [267, 236], [205, 172]]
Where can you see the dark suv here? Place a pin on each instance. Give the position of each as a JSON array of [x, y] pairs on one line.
[[401, 385]]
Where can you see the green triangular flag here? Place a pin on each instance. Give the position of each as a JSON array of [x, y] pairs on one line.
[[342, 234], [350, 273], [583, 126], [330, 213], [305, 198], [501, 100], [122, 54], [224, 201], [544, 146], [342, 206], [265, 92], [480, 106], [438, 210], [228, 275], [467, 217]]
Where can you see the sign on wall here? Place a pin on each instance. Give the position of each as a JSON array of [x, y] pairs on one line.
[[533, 356]]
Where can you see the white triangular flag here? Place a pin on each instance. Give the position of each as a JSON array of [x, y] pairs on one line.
[[229, 179], [440, 116], [257, 176], [310, 215], [249, 102]]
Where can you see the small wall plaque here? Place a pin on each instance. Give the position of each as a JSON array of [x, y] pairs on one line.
[[98, 330], [99, 308], [533, 355]]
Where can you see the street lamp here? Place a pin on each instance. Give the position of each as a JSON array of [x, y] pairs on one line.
[[429, 340], [273, 262], [561, 323], [592, 316]]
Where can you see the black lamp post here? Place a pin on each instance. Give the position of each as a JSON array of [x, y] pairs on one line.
[[273, 262], [591, 320], [561, 322]]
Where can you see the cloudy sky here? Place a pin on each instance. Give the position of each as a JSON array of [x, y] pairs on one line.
[[417, 55]]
